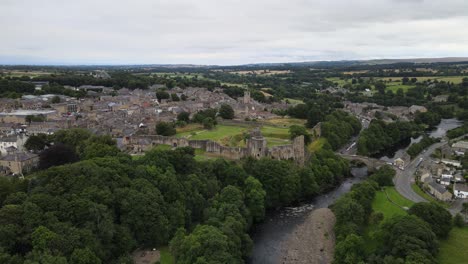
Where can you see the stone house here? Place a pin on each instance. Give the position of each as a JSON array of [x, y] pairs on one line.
[[460, 148], [20, 162], [439, 191]]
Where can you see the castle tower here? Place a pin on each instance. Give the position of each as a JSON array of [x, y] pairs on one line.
[[299, 150], [246, 97], [257, 145]]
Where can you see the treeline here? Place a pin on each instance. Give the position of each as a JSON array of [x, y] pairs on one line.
[[315, 109], [409, 238], [339, 127], [457, 132], [380, 136], [15, 89], [417, 148], [102, 207]]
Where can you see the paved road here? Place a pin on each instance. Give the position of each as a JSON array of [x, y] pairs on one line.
[[405, 178]]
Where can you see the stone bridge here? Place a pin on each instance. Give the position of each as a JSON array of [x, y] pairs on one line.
[[371, 163]]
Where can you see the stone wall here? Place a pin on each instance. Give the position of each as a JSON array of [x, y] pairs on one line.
[[255, 148]]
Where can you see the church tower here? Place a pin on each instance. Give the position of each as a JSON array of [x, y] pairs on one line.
[[246, 97]]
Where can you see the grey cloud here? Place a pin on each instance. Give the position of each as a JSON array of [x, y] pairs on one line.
[[229, 31]]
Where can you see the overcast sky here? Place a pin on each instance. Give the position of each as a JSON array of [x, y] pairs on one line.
[[228, 31]]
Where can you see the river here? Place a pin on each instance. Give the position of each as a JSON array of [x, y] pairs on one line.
[[269, 235], [439, 132]]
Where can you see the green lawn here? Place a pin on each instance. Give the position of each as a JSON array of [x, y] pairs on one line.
[[454, 250], [166, 257], [215, 134], [233, 135], [383, 205]]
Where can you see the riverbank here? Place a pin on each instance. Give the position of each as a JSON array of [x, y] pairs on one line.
[[313, 241]]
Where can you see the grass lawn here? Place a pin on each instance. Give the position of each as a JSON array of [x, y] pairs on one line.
[[215, 134], [426, 196], [383, 205], [317, 145], [285, 122], [293, 101], [166, 257], [454, 250], [233, 135]]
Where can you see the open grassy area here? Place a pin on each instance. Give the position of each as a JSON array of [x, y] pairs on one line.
[[383, 205], [285, 122], [388, 209], [454, 250], [216, 134], [166, 256], [339, 81], [426, 196], [293, 101], [232, 135]]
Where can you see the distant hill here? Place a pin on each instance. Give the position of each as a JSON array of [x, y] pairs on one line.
[[365, 62]]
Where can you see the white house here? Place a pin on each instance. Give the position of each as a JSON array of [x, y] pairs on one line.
[[451, 162], [12, 142], [460, 190]]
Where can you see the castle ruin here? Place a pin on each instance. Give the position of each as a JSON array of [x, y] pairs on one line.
[[256, 147]]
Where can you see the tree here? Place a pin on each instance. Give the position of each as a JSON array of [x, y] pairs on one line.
[[350, 250], [84, 256], [384, 176], [160, 94], [380, 87], [165, 129], [458, 221], [55, 100], [174, 97], [407, 235], [56, 155], [183, 116], [37, 142], [255, 198], [206, 244], [296, 130], [435, 215], [226, 111], [209, 123]]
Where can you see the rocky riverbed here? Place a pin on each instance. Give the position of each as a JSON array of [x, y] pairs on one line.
[[313, 241]]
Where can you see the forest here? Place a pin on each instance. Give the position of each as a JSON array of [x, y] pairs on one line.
[[100, 204]]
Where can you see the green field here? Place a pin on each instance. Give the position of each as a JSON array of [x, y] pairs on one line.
[[454, 250], [339, 81]]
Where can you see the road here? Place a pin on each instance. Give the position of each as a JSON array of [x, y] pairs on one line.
[[404, 179]]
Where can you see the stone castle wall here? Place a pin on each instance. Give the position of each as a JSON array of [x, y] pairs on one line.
[[255, 148]]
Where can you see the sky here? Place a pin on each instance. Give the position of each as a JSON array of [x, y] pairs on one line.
[[229, 32]]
